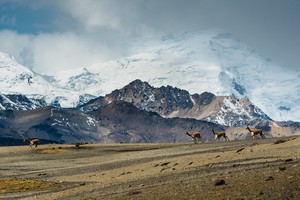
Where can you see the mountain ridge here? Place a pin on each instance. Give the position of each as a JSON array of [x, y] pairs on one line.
[[212, 61], [139, 112], [172, 102]]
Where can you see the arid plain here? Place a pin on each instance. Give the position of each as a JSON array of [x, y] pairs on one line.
[[244, 169]]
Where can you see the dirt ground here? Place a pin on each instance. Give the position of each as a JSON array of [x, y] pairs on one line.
[[248, 169]]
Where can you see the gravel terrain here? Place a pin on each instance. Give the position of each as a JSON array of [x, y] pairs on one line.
[[246, 169]]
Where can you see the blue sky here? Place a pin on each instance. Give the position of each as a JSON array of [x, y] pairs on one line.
[[50, 35], [26, 20]]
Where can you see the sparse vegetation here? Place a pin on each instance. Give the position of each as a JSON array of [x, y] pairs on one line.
[[79, 144], [10, 185]]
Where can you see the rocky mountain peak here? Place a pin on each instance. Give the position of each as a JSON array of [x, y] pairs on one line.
[[162, 100], [170, 102]]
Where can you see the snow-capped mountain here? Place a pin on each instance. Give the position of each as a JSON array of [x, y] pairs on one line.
[[18, 79], [211, 61]]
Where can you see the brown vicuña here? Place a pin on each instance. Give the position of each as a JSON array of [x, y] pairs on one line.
[[255, 132], [32, 143], [194, 135], [218, 135]]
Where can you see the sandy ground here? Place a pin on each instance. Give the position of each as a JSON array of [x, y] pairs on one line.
[[249, 169]]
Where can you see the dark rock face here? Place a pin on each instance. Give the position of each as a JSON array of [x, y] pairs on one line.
[[143, 126], [116, 122], [239, 88], [204, 99], [162, 100], [48, 123], [291, 124]]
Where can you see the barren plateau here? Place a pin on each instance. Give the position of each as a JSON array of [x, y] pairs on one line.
[[241, 169]]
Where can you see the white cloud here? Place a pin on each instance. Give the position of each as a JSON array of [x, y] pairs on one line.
[[49, 53], [90, 31], [129, 18], [94, 14], [17, 45], [54, 52]]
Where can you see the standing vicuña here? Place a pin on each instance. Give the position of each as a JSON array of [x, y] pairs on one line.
[[255, 132], [194, 135], [219, 134], [32, 143]]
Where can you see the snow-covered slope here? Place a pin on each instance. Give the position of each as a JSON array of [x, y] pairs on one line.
[[19, 102], [17, 79], [210, 61]]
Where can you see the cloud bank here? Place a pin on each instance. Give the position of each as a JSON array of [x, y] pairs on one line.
[[49, 36]]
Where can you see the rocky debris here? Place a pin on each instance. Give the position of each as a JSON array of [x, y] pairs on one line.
[[162, 164], [289, 160], [269, 178], [282, 168], [130, 193], [165, 163], [280, 141], [254, 144], [219, 182], [124, 173]]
